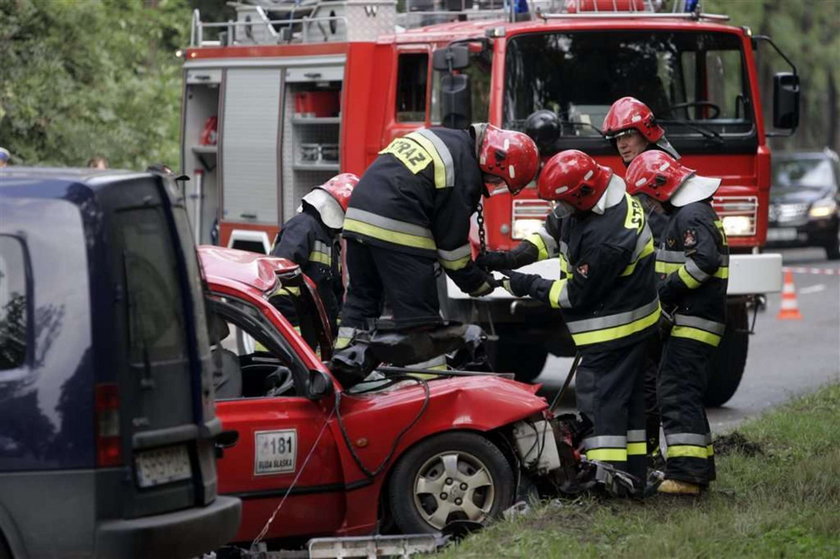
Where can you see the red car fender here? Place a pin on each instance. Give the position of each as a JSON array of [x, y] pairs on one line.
[[373, 422]]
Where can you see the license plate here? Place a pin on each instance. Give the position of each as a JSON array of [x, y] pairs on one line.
[[162, 465], [781, 234]]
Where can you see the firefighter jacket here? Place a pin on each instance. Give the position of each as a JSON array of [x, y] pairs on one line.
[[418, 196], [307, 242], [608, 297], [693, 265]]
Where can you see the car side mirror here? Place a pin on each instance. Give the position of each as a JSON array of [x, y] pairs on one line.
[[786, 101], [320, 384]]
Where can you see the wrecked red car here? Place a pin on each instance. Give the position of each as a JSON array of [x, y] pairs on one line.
[[404, 457]]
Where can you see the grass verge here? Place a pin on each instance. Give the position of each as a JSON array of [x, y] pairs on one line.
[[777, 495]]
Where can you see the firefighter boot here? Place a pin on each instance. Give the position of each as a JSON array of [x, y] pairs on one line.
[[677, 487], [352, 364]]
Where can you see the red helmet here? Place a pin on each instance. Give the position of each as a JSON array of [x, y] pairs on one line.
[[656, 174], [513, 156], [660, 176], [573, 177], [341, 187], [331, 199], [629, 112]]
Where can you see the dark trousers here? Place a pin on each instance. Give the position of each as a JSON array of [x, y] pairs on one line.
[[611, 394], [406, 282], [653, 355], [682, 384]]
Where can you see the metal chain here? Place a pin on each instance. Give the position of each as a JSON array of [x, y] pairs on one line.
[[482, 234]]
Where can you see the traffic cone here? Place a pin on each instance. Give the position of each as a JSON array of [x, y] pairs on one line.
[[790, 307]]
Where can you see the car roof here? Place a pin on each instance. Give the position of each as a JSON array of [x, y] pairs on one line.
[[14, 177], [257, 271]]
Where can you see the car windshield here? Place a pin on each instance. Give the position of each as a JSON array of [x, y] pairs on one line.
[[802, 173], [694, 82]]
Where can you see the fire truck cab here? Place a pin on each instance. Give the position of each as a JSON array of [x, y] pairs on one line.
[[288, 94]]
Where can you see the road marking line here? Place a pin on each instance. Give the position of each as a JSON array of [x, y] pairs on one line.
[[812, 289], [821, 271]]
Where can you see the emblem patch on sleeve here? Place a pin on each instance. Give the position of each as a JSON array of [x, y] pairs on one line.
[[689, 238]]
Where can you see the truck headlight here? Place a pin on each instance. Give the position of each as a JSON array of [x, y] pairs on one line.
[[528, 216], [823, 208], [738, 213], [524, 227], [738, 225]]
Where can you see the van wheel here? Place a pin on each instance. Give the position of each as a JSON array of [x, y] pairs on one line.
[[727, 368], [450, 477]]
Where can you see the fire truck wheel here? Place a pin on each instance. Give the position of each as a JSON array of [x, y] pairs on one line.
[[728, 366], [449, 477]]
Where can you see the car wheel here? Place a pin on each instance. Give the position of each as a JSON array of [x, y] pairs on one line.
[[450, 477]]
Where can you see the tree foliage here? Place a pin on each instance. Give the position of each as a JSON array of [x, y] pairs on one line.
[[91, 77], [808, 31]]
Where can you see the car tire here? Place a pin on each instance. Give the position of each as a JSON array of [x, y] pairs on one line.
[[450, 477], [832, 249], [728, 365]]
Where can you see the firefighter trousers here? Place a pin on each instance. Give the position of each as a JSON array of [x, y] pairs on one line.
[[610, 391], [682, 384], [653, 354], [406, 282]]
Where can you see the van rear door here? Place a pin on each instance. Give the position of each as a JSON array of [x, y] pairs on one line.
[[160, 352]]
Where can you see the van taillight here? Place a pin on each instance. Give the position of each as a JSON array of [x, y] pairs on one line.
[[108, 442]]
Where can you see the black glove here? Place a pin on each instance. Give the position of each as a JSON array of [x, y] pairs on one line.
[[667, 298], [494, 260], [518, 284], [486, 288]]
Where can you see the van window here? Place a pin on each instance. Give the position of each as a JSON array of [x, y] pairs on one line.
[[13, 304], [412, 73], [154, 305]]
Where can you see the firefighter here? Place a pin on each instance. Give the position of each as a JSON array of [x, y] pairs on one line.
[[310, 239], [410, 214], [608, 301], [693, 265], [631, 127]]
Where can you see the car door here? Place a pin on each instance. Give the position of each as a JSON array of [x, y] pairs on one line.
[[285, 455]]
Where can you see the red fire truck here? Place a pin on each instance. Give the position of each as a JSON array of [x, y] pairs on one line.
[[288, 94]]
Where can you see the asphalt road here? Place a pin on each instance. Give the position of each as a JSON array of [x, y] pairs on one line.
[[786, 357]]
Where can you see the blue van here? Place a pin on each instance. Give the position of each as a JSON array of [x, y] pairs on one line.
[[107, 419]]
